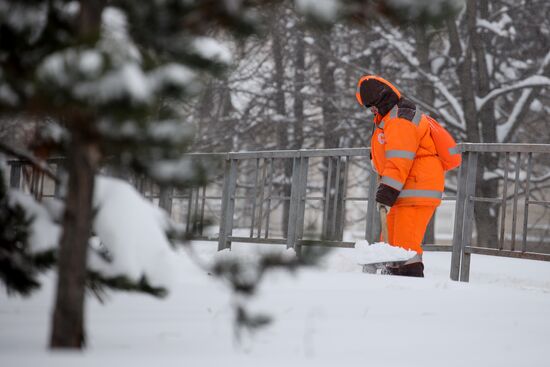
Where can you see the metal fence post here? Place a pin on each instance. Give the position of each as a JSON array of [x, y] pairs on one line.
[[459, 217], [325, 233], [527, 198], [228, 203], [165, 198], [333, 225], [269, 198], [15, 175], [294, 204], [503, 202], [60, 172], [467, 229], [515, 201], [344, 198], [304, 165]]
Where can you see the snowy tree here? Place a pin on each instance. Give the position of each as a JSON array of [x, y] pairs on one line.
[[106, 72], [112, 75]]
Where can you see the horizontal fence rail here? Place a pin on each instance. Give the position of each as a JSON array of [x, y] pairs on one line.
[[298, 198]]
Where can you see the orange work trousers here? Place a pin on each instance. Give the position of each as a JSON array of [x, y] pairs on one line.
[[407, 225]]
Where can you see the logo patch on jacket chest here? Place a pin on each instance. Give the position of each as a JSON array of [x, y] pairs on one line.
[[381, 138]]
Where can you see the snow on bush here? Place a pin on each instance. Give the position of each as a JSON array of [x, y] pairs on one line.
[[24, 18], [129, 81], [115, 39], [44, 232], [173, 75], [114, 69], [133, 231], [324, 10], [80, 72], [211, 49]]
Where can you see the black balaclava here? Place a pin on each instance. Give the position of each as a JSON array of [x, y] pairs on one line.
[[378, 94]]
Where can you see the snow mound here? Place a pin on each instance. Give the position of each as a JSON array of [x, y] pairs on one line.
[[380, 252], [133, 231]]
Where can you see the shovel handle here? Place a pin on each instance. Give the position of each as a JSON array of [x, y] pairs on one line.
[[384, 223]]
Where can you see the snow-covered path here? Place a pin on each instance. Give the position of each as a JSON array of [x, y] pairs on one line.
[[331, 316]]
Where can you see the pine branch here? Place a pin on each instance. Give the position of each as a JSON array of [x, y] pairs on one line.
[[27, 156], [98, 283]]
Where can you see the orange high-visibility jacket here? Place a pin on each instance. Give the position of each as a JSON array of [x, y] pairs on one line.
[[404, 153]]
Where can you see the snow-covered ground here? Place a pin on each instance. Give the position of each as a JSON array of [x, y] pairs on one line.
[[334, 315]]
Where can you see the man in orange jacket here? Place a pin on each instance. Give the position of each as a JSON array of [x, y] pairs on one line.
[[411, 174]]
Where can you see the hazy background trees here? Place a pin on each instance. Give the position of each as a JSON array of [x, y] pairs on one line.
[[484, 74]]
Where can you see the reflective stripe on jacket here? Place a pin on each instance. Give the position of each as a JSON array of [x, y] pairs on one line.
[[405, 157]]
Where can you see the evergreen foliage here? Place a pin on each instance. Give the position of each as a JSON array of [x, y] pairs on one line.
[[19, 266], [244, 278], [98, 284]]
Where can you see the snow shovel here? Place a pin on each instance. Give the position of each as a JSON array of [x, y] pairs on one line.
[[383, 212], [395, 259]]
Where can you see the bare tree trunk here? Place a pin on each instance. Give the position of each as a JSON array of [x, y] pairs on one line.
[[486, 221], [213, 111], [466, 79], [68, 319], [222, 120], [206, 129], [299, 82], [426, 93], [280, 105], [331, 139], [282, 121], [486, 213], [68, 329]]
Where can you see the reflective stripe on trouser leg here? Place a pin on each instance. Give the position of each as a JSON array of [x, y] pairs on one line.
[[407, 225]]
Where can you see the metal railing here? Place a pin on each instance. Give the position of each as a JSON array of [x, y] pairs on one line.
[[334, 198], [300, 186], [463, 245]]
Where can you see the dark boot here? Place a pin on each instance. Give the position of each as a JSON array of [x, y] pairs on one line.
[[408, 270]]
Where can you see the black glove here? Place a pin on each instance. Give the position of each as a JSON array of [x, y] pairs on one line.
[[386, 195]]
